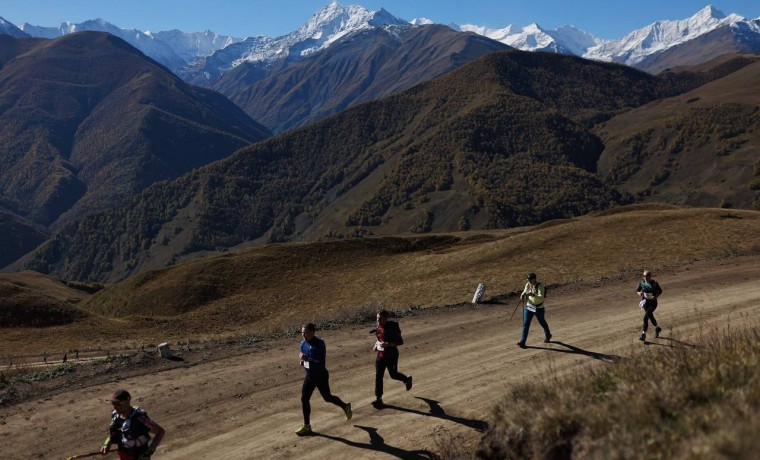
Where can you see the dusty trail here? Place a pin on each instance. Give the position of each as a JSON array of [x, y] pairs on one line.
[[462, 360]]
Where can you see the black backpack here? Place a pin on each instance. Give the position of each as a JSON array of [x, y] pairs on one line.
[[393, 333]]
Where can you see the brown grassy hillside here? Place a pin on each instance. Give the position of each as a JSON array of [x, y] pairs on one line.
[[447, 155], [698, 149], [86, 121], [264, 289], [31, 299]]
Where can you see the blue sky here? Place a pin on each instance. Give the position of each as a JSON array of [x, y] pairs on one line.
[[242, 18]]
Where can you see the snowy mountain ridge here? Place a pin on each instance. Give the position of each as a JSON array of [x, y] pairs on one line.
[[660, 36], [208, 54], [630, 49], [173, 48], [565, 39]]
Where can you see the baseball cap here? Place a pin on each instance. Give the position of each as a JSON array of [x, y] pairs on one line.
[[121, 396], [531, 276]]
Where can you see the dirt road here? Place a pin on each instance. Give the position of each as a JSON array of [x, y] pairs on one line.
[[462, 360]]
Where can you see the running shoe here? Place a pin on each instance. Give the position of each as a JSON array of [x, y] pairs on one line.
[[348, 412], [304, 430]]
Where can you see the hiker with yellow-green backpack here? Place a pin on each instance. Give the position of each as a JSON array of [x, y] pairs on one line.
[[533, 295]]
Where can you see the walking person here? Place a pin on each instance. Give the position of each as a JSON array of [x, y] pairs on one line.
[[649, 290], [130, 430], [388, 340], [533, 294], [313, 356]]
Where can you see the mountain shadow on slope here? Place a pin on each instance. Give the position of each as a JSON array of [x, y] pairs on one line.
[[18, 235]]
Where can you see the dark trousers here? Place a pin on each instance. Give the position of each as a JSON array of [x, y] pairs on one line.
[[528, 318], [381, 364], [132, 454], [321, 382], [649, 307]]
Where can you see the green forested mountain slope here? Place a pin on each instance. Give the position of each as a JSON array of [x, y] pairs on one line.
[[500, 142]]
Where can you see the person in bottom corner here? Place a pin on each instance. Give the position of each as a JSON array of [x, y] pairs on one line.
[[130, 430], [649, 290], [534, 293], [313, 356], [388, 340]]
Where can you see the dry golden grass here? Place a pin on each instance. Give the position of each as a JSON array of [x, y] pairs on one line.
[[29, 298], [264, 290], [48, 285], [699, 401]]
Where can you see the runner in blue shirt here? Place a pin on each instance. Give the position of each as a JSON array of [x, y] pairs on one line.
[[313, 356]]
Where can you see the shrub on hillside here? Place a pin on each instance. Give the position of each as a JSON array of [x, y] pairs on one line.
[[682, 401]]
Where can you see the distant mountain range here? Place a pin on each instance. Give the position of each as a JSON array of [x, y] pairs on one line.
[[638, 47], [174, 49], [206, 55], [255, 72]]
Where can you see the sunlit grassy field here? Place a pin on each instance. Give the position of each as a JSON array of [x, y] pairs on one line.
[[262, 290], [698, 399]]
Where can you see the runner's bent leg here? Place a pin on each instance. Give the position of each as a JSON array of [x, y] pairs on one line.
[[392, 365], [323, 385]]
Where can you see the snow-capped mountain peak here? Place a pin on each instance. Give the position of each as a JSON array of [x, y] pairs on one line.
[[10, 29], [630, 49], [533, 37], [326, 26], [707, 13], [421, 22], [574, 40], [661, 35], [335, 21]]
